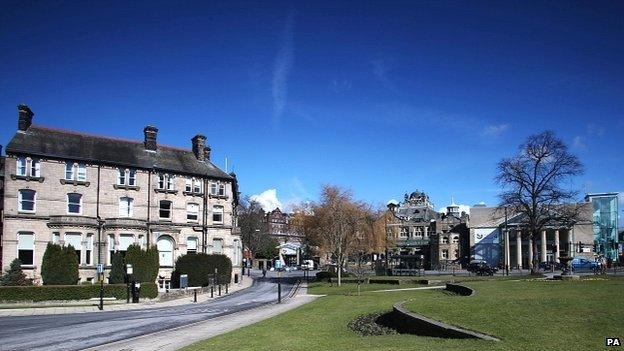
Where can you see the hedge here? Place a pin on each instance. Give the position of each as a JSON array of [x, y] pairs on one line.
[[70, 292], [200, 268], [60, 265], [144, 263]]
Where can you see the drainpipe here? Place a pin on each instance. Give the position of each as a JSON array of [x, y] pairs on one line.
[[205, 216], [149, 205], [97, 215]]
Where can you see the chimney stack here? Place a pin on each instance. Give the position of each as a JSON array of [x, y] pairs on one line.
[[24, 119], [199, 147], [150, 133]]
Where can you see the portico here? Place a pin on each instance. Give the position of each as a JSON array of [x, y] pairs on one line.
[[551, 244]]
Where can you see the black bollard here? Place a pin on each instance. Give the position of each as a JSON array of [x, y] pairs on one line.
[[195, 295], [101, 306], [226, 288], [211, 291], [219, 289]]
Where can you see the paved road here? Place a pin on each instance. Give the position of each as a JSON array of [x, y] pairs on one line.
[[83, 330]]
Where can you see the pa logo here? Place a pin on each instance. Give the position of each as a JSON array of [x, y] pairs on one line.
[[613, 342]]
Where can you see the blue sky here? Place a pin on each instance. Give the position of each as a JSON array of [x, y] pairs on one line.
[[380, 97]]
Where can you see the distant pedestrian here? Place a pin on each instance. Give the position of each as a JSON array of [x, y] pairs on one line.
[[263, 272]]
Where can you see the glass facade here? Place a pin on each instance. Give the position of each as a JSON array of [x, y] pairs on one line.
[[605, 224]]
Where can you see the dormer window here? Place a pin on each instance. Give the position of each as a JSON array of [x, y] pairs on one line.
[[165, 181], [126, 177], [75, 171], [28, 167], [192, 186]]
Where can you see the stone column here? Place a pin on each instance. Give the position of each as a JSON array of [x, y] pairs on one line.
[[557, 245], [530, 253], [519, 248], [543, 247], [425, 234], [507, 258]]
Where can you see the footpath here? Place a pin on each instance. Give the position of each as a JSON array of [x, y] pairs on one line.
[[6, 310], [173, 339]]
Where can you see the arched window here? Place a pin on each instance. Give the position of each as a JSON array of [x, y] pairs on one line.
[[165, 251]]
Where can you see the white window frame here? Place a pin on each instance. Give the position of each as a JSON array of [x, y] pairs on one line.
[[79, 248], [111, 248], [188, 185], [80, 210], [215, 210], [221, 189], [88, 248], [190, 213], [20, 200], [76, 171], [166, 181], [126, 176], [129, 206], [217, 240], [21, 166], [213, 188], [170, 209], [188, 241], [197, 186], [18, 248], [121, 176]]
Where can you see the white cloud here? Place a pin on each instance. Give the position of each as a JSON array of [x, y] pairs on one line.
[[267, 199], [495, 130], [282, 66]]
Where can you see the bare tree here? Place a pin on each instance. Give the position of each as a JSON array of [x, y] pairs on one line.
[[338, 224], [254, 230], [533, 185]]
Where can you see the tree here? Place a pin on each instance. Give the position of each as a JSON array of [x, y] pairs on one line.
[[533, 185], [340, 225], [14, 276], [254, 230], [59, 265], [144, 263], [118, 271]]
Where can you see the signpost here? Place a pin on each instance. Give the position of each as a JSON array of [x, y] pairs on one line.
[[278, 267], [100, 272], [128, 274]]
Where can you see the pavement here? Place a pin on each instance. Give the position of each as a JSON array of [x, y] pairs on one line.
[[94, 330], [42, 309], [174, 339]]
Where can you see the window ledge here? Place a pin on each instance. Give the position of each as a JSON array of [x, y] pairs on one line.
[[26, 212], [166, 191], [192, 193], [28, 266], [27, 178], [224, 197], [75, 182], [126, 187], [164, 220]]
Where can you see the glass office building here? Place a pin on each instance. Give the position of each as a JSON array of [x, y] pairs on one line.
[[605, 223]]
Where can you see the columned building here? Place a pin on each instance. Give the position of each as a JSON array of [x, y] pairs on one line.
[[102, 194], [501, 238]]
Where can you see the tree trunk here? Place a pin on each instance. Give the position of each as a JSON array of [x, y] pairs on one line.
[[339, 269], [535, 258]]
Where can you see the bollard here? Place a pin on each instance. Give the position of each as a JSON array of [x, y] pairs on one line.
[[101, 306], [195, 296], [279, 291], [226, 288], [211, 291], [219, 289]]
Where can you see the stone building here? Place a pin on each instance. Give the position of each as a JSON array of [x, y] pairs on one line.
[[279, 227], [102, 194], [500, 239], [451, 242], [412, 226]]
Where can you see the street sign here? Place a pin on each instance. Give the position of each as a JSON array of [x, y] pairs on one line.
[[100, 268], [128, 269], [183, 281], [278, 264]]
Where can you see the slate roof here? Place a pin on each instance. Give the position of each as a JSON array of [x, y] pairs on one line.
[[61, 144]]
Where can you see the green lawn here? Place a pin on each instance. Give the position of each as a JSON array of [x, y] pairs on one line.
[[526, 315]]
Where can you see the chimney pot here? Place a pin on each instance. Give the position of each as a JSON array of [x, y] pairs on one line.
[[150, 133], [199, 147], [25, 116]]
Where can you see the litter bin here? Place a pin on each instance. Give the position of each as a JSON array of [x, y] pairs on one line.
[[136, 292]]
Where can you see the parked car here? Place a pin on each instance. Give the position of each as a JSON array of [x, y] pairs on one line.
[[481, 267], [547, 266], [581, 263]]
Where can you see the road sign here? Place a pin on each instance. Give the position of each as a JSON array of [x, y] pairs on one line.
[[100, 268]]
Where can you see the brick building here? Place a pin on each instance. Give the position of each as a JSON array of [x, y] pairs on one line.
[[102, 194], [279, 227]]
